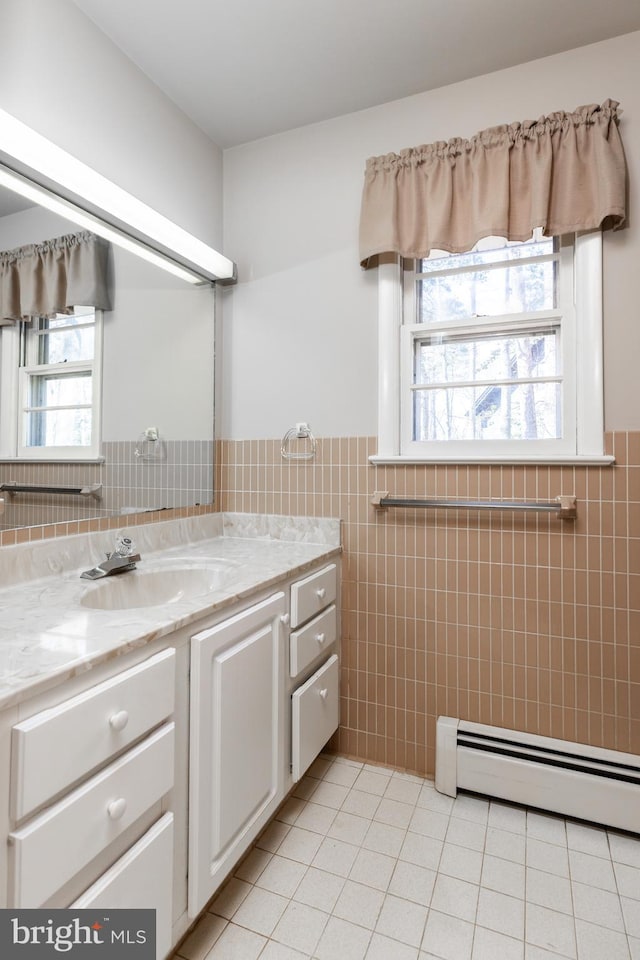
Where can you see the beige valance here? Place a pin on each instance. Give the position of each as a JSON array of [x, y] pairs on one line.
[[42, 279], [565, 172]]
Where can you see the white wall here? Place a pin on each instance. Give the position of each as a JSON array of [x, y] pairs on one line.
[[300, 328], [62, 76]]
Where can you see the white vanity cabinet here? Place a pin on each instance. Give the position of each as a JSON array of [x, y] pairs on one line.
[[237, 739], [90, 786], [144, 780]]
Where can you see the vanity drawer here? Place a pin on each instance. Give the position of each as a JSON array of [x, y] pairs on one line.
[[142, 878], [313, 594], [57, 747], [315, 714], [57, 844], [306, 644]]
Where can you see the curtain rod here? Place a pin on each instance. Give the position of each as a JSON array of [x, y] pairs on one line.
[[94, 490], [564, 507]]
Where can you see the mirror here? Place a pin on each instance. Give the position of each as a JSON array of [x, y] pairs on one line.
[[157, 372]]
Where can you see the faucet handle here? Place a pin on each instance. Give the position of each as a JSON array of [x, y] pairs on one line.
[[124, 546]]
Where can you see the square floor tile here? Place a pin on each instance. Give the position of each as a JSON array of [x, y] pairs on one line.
[[315, 817], [394, 812], [291, 810], [544, 826], [342, 774], [466, 833], [547, 890], [489, 945], [431, 798], [447, 937], [461, 862], [230, 897], [236, 943], [628, 880], [413, 882], [501, 913], [301, 845], [402, 920], [384, 948], [281, 876], [300, 927], [319, 889], [406, 791], [470, 808], [372, 869], [370, 782], [253, 865], [429, 823], [631, 914], [361, 803], [624, 848], [423, 851], [349, 827], [271, 838], [278, 951], [335, 856], [383, 838], [597, 906], [504, 816], [344, 940], [598, 943], [330, 794], [595, 871], [260, 911], [359, 904], [506, 845], [457, 898], [503, 876], [550, 930], [548, 857], [587, 839]]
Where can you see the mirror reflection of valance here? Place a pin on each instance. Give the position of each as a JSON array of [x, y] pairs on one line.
[[563, 173], [43, 279]]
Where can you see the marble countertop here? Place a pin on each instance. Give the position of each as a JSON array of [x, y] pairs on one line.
[[47, 635]]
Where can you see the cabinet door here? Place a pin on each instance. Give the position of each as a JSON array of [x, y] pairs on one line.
[[236, 772]]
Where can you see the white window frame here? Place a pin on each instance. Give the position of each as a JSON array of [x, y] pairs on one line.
[[14, 388], [582, 351]]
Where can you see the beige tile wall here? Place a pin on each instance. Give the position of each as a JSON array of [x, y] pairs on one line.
[[522, 621]]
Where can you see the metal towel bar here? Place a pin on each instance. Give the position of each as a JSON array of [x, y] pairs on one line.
[[564, 507], [94, 490]]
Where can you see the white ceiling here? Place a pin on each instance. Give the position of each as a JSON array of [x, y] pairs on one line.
[[244, 69]]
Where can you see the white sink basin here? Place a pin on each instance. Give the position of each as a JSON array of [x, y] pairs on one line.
[[157, 585]]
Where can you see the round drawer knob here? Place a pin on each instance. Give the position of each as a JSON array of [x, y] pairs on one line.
[[323, 693], [117, 808], [321, 593], [119, 720], [320, 637], [285, 619]]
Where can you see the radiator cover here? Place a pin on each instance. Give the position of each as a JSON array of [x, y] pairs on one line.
[[573, 779]]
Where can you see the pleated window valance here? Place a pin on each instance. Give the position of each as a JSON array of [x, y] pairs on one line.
[[563, 173], [42, 279]]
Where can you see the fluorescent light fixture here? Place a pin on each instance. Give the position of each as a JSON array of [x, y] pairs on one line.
[[52, 172]]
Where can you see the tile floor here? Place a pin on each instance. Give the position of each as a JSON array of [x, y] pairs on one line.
[[364, 863]]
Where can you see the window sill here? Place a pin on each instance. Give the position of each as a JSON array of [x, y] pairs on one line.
[[584, 461]]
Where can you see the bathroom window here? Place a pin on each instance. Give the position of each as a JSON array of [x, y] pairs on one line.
[[495, 354], [55, 383]]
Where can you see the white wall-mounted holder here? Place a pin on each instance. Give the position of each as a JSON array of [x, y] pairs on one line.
[[301, 431], [150, 446]]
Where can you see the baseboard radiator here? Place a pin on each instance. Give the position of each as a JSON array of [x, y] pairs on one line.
[[573, 779]]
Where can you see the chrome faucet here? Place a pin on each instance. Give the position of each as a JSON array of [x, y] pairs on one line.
[[120, 560]]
